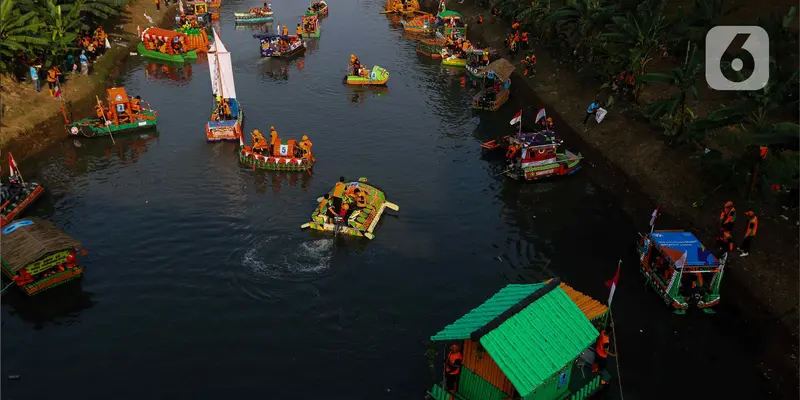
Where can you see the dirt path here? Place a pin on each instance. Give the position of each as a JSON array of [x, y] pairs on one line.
[[30, 120], [628, 158]]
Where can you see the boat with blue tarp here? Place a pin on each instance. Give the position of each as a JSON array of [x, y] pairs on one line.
[[681, 269]]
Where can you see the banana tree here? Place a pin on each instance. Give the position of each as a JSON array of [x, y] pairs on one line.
[[683, 80], [534, 19], [581, 20], [19, 33], [783, 40], [632, 39], [61, 27]]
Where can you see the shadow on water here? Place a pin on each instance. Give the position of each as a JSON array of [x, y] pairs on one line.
[[56, 307]]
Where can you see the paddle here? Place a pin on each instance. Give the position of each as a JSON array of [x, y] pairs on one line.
[[105, 120]]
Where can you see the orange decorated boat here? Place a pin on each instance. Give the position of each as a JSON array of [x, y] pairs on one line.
[[279, 155]]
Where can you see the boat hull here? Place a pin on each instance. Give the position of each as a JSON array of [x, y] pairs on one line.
[[12, 209], [247, 18], [260, 161], [377, 76], [494, 105], [275, 54], [479, 72], [188, 56], [314, 34], [50, 282], [95, 127], [565, 164], [454, 62], [225, 131]]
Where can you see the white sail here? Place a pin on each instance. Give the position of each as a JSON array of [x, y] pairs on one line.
[[221, 69]]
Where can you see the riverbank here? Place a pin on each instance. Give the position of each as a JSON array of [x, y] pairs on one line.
[[628, 158], [30, 120]]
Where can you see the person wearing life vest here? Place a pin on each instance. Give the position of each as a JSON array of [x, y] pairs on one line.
[[480, 19], [72, 260], [525, 39], [728, 216], [749, 234], [226, 109], [338, 192], [285, 31], [322, 209], [548, 125], [305, 147], [601, 353], [52, 78], [724, 241], [136, 104], [259, 142], [452, 367], [273, 136], [299, 30]]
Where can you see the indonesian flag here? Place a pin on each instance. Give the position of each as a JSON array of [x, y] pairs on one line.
[[517, 118], [613, 285], [442, 7], [540, 115], [13, 170]]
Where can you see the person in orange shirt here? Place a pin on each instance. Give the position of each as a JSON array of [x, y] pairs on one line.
[[601, 353], [452, 367], [749, 234]]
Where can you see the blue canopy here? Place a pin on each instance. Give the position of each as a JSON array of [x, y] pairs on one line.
[[674, 244]]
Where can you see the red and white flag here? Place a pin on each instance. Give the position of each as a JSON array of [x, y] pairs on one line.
[[517, 118], [13, 170], [613, 284], [541, 114]]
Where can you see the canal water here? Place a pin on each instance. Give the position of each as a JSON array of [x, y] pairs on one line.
[[200, 284]]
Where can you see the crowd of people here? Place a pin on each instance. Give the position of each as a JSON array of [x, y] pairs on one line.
[[165, 46], [222, 112], [261, 146], [265, 10], [456, 46]]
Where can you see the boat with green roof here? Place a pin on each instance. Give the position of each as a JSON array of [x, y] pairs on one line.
[[528, 341]]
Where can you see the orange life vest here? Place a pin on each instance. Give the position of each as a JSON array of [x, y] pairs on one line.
[[602, 341], [338, 190], [762, 152], [452, 359], [752, 227]]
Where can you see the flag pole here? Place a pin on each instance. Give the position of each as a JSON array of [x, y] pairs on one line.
[[105, 120], [520, 122]]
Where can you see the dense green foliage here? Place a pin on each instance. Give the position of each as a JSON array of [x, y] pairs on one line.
[[604, 37], [47, 29]]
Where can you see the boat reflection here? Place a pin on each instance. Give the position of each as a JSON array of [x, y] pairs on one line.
[[360, 94], [276, 180], [180, 74], [90, 155], [278, 69], [264, 27], [61, 305], [312, 45]]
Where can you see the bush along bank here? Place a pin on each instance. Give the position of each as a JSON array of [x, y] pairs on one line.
[[628, 154], [31, 120]]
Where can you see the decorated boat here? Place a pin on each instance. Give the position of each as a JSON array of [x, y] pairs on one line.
[[227, 117], [528, 341], [431, 47], [254, 16], [196, 13], [534, 157], [680, 269], [497, 86], [318, 8], [282, 46], [452, 22], [404, 7], [16, 195], [37, 256], [123, 114], [478, 61], [419, 25], [197, 38], [452, 58], [374, 76], [350, 208], [165, 45], [311, 27], [280, 155]]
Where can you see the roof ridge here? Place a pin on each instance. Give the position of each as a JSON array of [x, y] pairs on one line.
[[513, 310]]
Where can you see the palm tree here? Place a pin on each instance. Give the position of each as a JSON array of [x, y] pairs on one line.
[[683, 79], [632, 39], [18, 34]]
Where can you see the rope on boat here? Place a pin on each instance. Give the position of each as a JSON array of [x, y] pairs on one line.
[[616, 351], [7, 286]]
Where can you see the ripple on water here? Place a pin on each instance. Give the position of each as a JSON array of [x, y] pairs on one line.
[[283, 258]]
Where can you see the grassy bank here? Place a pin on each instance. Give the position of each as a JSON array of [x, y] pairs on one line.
[[628, 157], [31, 120]]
